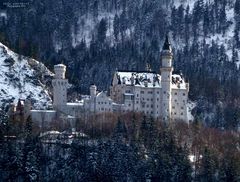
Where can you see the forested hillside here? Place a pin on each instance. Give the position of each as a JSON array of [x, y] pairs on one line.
[[96, 37], [132, 148]]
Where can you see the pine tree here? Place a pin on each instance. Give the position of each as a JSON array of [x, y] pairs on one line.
[[229, 167], [116, 27], [208, 170], [102, 29]]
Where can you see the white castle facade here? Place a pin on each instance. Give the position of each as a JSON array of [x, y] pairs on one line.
[[162, 96]]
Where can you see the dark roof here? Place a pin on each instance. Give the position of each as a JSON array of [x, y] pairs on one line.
[[167, 45]]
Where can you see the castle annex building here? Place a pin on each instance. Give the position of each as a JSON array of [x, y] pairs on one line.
[[162, 95]]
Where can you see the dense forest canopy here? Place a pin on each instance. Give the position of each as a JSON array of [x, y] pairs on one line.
[[130, 148]]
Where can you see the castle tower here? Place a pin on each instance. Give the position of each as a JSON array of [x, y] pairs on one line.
[[166, 74], [59, 84], [93, 91]]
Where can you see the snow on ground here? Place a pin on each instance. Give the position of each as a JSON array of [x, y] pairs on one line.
[[87, 28], [219, 39], [18, 79], [191, 3], [185, 3]]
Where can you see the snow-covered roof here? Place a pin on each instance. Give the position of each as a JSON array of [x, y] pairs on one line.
[[44, 111], [75, 104], [148, 79], [103, 94], [59, 65], [49, 133], [128, 94]]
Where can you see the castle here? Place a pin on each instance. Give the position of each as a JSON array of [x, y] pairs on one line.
[[162, 96]]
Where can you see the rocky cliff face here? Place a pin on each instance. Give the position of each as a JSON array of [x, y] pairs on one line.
[[22, 77]]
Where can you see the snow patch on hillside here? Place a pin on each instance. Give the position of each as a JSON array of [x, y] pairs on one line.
[[189, 3], [87, 26], [20, 78], [220, 39]]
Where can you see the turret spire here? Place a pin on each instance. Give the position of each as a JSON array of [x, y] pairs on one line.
[[167, 45]]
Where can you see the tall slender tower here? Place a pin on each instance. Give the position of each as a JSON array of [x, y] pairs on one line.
[[166, 76], [59, 84]]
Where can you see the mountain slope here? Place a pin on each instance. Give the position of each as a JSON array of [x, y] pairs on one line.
[[20, 77]]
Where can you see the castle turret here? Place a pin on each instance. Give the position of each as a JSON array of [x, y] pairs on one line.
[[93, 91], [59, 87], [166, 75]]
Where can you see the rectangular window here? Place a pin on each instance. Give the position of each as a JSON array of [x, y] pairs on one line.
[[142, 92], [184, 94], [175, 93]]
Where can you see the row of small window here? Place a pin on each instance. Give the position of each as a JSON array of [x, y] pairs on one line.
[[178, 103], [59, 83], [148, 99], [104, 109], [176, 113], [175, 93], [104, 103], [147, 106], [173, 107], [149, 92], [147, 112]]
